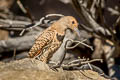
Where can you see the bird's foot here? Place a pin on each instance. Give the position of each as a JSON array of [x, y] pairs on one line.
[[37, 57], [55, 66]]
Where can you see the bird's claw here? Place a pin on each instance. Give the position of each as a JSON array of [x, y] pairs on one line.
[[54, 67]]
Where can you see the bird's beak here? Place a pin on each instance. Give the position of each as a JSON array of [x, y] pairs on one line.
[[77, 31]]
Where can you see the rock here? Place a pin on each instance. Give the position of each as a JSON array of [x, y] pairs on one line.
[[31, 69]]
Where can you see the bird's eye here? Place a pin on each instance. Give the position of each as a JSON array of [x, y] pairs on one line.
[[73, 22]]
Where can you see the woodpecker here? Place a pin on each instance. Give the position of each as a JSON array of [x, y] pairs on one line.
[[51, 39]]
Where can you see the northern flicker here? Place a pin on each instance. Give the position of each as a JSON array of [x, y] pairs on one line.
[[51, 39]]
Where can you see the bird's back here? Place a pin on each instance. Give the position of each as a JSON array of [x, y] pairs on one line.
[[43, 40]]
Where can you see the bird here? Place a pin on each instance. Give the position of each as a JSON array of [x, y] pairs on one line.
[[50, 40]]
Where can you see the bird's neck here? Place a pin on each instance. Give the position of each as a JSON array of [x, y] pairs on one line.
[[60, 28]]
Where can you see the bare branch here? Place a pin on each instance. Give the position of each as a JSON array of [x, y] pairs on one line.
[[25, 10], [20, 43], [78, 42], [90, 22]]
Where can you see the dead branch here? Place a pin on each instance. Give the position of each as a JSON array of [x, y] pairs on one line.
[[25, 10], [16, 25], [80, 62], [43, 18], [21, 6], [78, 42], [91, 24], [20, 43], [13, 24], [40, 21], [102, 30], [109, 59]]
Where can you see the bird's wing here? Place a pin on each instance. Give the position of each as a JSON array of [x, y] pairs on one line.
[[43, 40]]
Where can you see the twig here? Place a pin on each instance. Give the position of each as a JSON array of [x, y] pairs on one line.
[[110, 61], [10, 24], [94, 60], [78, 42], [21, 33], [90, 66], [25, 10], [43, 18], [21, 6], [76, 61], [14, 54], [90, 22], [16, 25], [40, 22], [104, 23], [80, 63]]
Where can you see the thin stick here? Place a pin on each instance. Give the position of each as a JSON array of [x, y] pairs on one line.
[[40, 22], [90, 66], [21, 33], [14, 54], [81, 63], [75, 61], [92, 61], [25, 10], [21, 6], [78, 42], [61, 15]]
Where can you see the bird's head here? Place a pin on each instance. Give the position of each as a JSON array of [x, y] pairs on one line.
[[71, 23]]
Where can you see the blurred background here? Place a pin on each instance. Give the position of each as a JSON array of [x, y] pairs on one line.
[[102, 33]]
